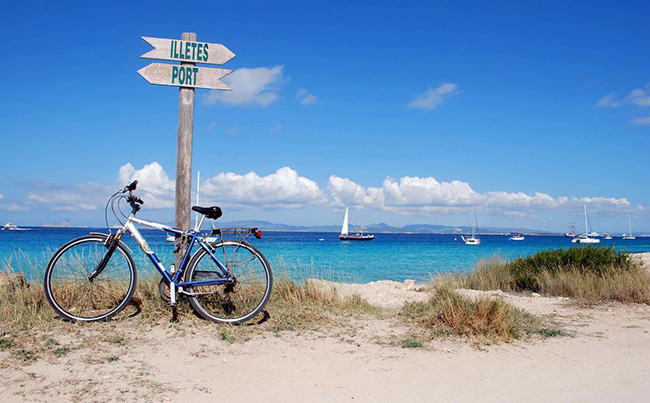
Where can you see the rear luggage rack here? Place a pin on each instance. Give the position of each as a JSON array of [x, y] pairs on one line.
[[241, 232]]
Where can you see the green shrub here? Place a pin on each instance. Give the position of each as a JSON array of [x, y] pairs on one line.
[[590, 273], [587, 260]]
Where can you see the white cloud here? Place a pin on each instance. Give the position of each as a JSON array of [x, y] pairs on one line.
[[609, 100], [409, 195], [67, 197], [285, 189], [639, 96], [345, 193], [422, 196], [17, 207], [250, 87], [434, 97], [415, 192], [305, 97], [641, 121], [521, 200], [1, 196], [282, 189], [154, 186], [309, 100]]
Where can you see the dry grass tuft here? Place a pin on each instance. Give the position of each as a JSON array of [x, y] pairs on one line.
[[295, 306], [448, 313]]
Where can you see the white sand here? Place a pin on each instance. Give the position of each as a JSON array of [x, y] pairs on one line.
[[605, 360]]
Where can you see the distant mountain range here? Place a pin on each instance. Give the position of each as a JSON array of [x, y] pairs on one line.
[[375, 228]]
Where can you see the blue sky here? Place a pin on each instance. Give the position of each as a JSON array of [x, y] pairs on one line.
[[416, 111]]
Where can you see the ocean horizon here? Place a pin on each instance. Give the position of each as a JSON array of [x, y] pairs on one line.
[[298, 254]]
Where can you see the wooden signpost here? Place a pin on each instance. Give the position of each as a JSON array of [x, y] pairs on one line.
[[187, 76]]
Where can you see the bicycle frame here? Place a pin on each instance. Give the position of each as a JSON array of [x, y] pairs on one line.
[[194, 237]]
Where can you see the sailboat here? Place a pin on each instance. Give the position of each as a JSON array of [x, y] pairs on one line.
[[517, 236], [473, 240], [629, 235], [345, 234], [585, 238], [609, 235], [570, 231]]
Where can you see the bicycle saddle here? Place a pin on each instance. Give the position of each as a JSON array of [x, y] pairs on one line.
[[212, 213]]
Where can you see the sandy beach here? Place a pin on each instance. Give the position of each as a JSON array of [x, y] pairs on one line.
[[602, 357]]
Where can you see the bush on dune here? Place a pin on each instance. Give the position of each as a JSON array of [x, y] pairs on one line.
[[589, 273]]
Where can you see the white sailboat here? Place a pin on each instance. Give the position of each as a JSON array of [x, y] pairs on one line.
[[517, 236], [473, 240], [629, 235], [570, 231], [609, 235], [345, 233], [586, 238]]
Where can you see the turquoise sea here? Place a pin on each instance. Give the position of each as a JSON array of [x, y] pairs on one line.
[[303, 254]]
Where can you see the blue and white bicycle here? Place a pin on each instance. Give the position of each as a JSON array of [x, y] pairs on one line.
[[92, 278]]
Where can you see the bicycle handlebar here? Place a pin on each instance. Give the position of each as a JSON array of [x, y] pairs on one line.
[[130, 187]]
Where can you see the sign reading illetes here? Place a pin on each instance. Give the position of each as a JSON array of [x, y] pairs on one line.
[[187, 74]]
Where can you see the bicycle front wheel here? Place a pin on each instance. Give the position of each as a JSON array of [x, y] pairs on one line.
[[73, 295], [236, 301]]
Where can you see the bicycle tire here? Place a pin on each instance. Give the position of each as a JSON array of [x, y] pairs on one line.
[[76, 298], [236, 303]]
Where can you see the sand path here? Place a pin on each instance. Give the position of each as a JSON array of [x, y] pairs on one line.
[[605, 360]]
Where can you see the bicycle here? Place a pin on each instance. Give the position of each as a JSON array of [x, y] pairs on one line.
[[93, 277]]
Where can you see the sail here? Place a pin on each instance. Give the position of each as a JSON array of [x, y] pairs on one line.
[[629, 223], [344, 228]]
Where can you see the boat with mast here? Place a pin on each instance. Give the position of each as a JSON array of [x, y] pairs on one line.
[[517, 236], [629, 235], [347, 236], [609, 235], [586, 238], [473, 240], [570, 231]]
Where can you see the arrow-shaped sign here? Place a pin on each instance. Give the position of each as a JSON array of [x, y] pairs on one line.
[[185, 76], [187, 51]]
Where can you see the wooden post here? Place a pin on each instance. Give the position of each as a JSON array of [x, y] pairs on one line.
[[184, 158]]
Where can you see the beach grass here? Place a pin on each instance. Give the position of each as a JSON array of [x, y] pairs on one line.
[[482, 319], [590, 274]]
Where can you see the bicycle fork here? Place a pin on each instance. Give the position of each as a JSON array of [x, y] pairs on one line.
[[111, 244]]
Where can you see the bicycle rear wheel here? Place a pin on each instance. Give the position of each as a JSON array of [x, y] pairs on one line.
[[234, 302], [76, 298]]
